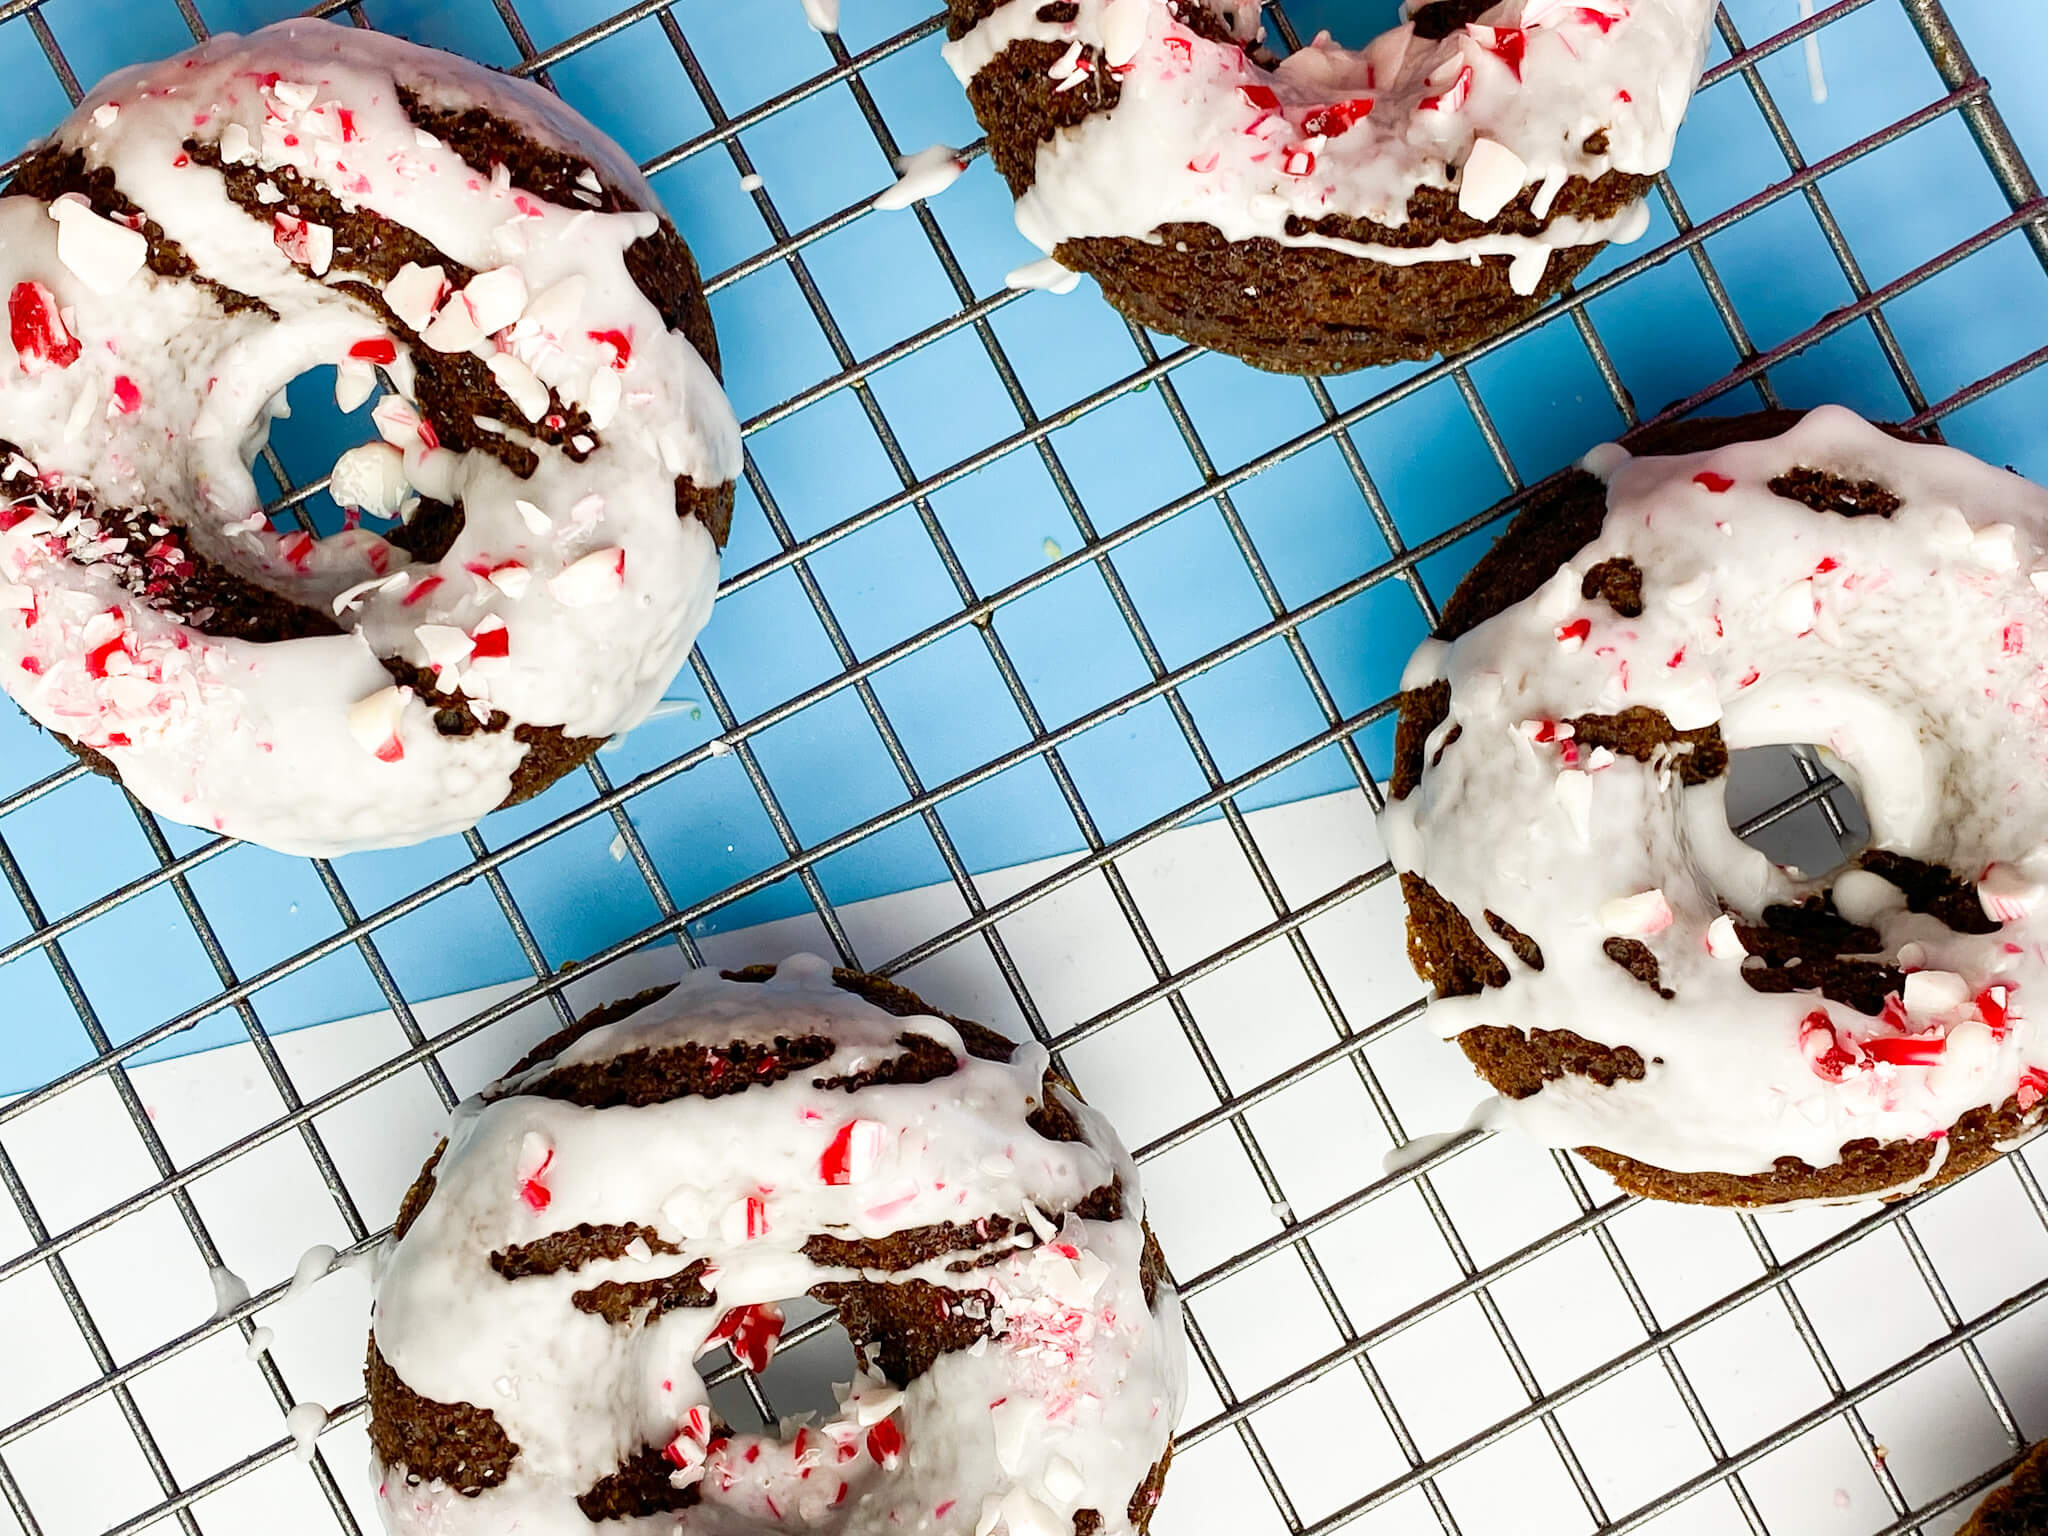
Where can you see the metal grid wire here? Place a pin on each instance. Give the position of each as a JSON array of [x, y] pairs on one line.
[[1965, 95]]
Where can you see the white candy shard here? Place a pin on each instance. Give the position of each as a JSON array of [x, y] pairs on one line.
[[453, 328], [1123, 27], [1933, 992], [396, 422], [370, 476], [518, 381], [1694, 706], [446, 646], [496, 298], [235, 147], [414, 292], [601, 400], [537, 522], [1794, 607], [1575, 794], [1493, 175], [597, 578], [354, 382], [1063, 1480], [1723, 943], [512, 579], [1016, 1422], [874, 1403], [1636, 916], [1995, 546], [101, 254]]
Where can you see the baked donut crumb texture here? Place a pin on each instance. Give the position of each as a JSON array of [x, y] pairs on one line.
[[2020, 1508]]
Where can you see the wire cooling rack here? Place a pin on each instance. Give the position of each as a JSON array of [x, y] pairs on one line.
[[1614, 1366]]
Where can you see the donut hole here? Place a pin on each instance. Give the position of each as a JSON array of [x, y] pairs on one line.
[[307, 443], [800, 1374], [1798, 806]]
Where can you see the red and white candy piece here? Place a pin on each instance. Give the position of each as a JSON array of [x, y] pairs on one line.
[[598, 577], [490, 640], [1450, 97], [1637, 916], [536, 1157], [1832, 1055], [36, 327], [690, 1449], [304, 242], [2033, 1088], [885, 1445], [2008, 894], [1921, 1050], [374, 723], [752, 1331], [1723, 943], [744, 1220], [101, 254], [853, 1153]]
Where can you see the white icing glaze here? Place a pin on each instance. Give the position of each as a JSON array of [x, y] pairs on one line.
[[304, 1423], [1203, 134], [1913, 649], [1066, 1406], [925, 174], [167, 399]]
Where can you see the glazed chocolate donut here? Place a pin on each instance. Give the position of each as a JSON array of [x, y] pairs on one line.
[[658, 1178], [1634, 980], [1337, 209], [203, 230]]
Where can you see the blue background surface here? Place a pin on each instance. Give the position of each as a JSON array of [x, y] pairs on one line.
[[945, 403]]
